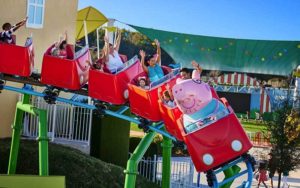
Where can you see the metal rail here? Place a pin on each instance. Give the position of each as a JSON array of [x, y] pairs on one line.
[[30, 91]]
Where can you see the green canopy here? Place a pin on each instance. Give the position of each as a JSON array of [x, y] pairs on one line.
[[227, 54]]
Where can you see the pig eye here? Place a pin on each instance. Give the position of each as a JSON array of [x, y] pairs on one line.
[[197, 81], [180, 89], [176, 91]]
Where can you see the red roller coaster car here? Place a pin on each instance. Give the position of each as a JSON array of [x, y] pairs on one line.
[[144, 103], [171, 115], [71, 73], [112, 88], [17, 60], [217, 142]]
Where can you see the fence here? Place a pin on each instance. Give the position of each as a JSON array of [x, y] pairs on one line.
[[259, 139], [183, 173], [66, 123]]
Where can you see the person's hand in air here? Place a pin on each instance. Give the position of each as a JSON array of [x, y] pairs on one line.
[[196, 65], [157, 43], [25, 20], [142, 54]]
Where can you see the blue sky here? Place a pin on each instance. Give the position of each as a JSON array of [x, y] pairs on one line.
[[250, 19]]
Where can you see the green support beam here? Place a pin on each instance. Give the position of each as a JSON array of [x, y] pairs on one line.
[[229, 173], [22, 107], [43, 143], [16, 134], [15, 142], [166, 166], [132, 164]]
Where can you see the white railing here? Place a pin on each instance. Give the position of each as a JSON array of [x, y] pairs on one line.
[[183, 173], [66, 123]]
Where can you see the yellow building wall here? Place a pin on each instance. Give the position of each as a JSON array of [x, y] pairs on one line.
[[59, 16]]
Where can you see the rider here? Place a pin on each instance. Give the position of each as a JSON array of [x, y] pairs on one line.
[[152, 64], [185, 72], [8, 30], [112, 59]]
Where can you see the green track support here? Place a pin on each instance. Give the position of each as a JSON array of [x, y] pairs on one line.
[[166, 166], [229, 173], [132, 164], [22, 107]]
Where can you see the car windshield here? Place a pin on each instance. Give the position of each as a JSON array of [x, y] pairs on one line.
[[129, 63], [202, 123], [167, 77]]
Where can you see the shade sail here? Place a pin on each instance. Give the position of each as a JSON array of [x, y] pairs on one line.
[[228, 54], [93, 18]]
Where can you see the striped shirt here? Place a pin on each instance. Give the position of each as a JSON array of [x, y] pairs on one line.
[[6, 36]]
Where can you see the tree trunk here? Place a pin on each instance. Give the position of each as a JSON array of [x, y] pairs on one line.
[[279, 179]]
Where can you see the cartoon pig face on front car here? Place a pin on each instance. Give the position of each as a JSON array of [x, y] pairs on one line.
[[191, 95]]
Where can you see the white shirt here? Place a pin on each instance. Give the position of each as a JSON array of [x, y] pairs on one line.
[[114, 62]]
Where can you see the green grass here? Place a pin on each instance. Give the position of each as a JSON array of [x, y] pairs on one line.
[[80, 169], [254, 127], [250, 126], [134, 127]]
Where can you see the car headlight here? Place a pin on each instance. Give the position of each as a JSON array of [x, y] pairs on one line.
[[208, 159], [236, 145]]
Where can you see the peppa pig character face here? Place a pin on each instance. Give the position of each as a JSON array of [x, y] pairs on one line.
[[191, 95]]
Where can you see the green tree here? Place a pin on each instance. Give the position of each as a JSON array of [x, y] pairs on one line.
[[285, 139]]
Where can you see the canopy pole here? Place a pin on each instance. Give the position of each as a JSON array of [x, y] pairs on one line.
[[85, 33], [98, 47]]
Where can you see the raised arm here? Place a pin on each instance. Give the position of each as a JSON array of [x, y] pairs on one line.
[[66, 36], [158, 51], [197, 66], [143, 54], [106, 49], [118, 40], [20, 24]]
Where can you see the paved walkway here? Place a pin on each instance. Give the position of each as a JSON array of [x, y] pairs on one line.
[[293, 180]]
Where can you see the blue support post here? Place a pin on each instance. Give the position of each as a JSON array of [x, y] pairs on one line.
[[198, 179]]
